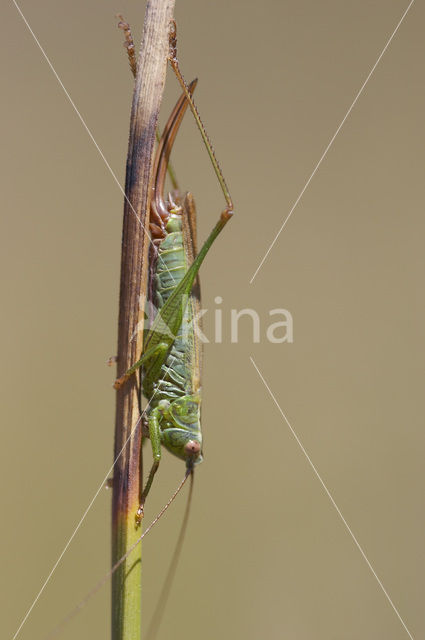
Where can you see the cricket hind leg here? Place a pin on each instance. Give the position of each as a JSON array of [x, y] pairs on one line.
[[128, 43], [172, 57]]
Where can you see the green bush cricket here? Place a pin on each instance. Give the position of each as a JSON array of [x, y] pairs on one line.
[[171, 357]]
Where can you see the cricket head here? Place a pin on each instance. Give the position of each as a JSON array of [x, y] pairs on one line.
[[182, 436]]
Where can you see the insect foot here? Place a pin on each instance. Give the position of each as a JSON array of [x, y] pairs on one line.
[[120, 381], [139, 516]]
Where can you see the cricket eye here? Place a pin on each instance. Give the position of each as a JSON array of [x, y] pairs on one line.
[[192, 448]]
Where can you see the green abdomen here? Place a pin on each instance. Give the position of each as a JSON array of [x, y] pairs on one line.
[[171, 266]]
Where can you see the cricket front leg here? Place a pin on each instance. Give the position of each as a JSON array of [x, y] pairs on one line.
[[155, 438], [159, 350]]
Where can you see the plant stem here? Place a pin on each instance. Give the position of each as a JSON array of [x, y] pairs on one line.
[[148, 89]]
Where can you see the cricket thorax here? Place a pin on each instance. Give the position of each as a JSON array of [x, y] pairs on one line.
[[180, 425]]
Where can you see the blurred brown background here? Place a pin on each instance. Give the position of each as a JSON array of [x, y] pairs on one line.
[[266, 555]]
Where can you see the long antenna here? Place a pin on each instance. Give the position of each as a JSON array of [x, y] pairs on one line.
[[105, 579], [157, 616]]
